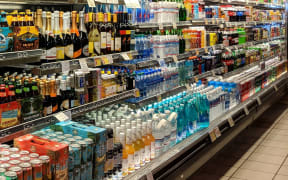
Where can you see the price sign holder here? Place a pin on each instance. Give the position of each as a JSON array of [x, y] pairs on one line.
[[175, 58], [212, 136], [98, 61], [83, 65], [159, 98], [137, 93], [231, 121], [91, 3], [246, 110], [65, 65], [259, 101], [217, 132], [61, 117]]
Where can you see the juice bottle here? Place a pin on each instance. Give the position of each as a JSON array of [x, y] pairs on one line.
[[147, 142], [130, 151], [151, 139], [124, 155]]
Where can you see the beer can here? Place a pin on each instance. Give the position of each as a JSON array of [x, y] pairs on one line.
[[79, 79], [48, 131], [65, 142], [71, 140], [10, 175], [83, 173], [71, 160], [61, 138], [15, 156], [25, 159], [89, 170], [83, 152], [14, 162], [90, 148], [27, 171], [52, 135], [68, 135], [4, 147], [76, 173], [59, 133], [18, 171], [36, 169], [14, 150], [46, 167], [5, 166], [24, 153], [4, 160], [77, 155], [55, 140], [2, 171], [4, 153], [77, 138], [34, 156]]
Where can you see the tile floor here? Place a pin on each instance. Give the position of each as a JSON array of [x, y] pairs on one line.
[[258, 153]]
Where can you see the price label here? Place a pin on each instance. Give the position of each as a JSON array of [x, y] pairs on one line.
[[212, 136], [213, 21], [196, 79], [217, 21], [231, 122], [159, 98], [162, 63], [174, 25], [110, 59], [83, 65], [206, 21], [65, 65], [161, 26], [137, 93], [213, 73], [275, 87], [221, 26], [125, 56], [20, 55], [97, 61], [91, 3], [206, 50], [149, 176], [217, 132], [175, 58], [246, 110], [258, 100], [197, 52], [61, 117], [187, 86], [105, 60]]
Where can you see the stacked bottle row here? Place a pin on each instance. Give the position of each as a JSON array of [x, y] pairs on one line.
[[26, 97]]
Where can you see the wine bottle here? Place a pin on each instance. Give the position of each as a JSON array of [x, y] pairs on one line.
[[68, 44], [51, 44], [83, 36], [94, 37], [41, 22], [103, 34], [58, 38], [116, 21], [75, 36], [108, 26]]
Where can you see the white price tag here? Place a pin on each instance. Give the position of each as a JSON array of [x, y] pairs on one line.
[[231, 122], [217, 132], [213, 73], [187, 86], [162, 63], [275, 87], [258, 101], [175, 58], [174, 25], [110, 58], [65, 66], [61, 117], [161, 26], [91, 3], [125, 56], [212, 136], [83, 65], [246, 110]]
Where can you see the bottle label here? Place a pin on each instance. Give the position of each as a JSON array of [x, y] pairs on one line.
[[125, 167], [137, 159], [118, 44], [69, 51], [51, 54], [44, 54], [147, 153], [77, 53], [103, 40], [130, 162], [85, 50], [152, 155], [158, 147], [108, 39], [97, 47], [59, 52], [112, 45], [91, 47]]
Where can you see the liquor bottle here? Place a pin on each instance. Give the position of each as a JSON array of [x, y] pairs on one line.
[[72, 93], [58, 38], [128, 31], [94, 37], [41, 24], [61, 22], [51, 44], [18, 91], [109, 27], [103, 34], [83, 36], [64, 95], [53, 96], [68, 43], [58, 92], [117, 33], [27, 93], [15, 22], [75, 36], [122, 29]]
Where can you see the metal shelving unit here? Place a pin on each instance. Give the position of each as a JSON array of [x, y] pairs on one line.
[[28, 56], [202, 138], [9, 134]]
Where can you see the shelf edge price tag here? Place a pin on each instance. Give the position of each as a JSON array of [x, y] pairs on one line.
[[187, 86], [161, 26], [91, 3], [206, 50], [246, 110], [275, 87], [259, 101], [159, 98], [217, 132], [174, 25], [61, 117], [175, 58], [83, 65], [149, 176], [231, 121], [97, 61], [212, 136], [137, 93], [125, 56], [65, 65], [105, 60]]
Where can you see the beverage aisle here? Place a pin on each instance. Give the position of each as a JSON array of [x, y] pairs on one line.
[[258, 153]]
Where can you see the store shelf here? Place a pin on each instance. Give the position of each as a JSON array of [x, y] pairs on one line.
[[260, 5], [201, 139], [44, 2], [56, 67], [28, 56], [9, 134]]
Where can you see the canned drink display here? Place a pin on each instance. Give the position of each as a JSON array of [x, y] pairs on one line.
[[76, 174], [83, 152], [24, 153], [14, 150], [77, 155], [15, 156], [27, 171], [68, 135], [25, 159], [2, 171], [36, 169], [90, 148], [5, 165], [34, 155], [4, 160], [10, 175], [18, 171], [46, 167], [14, 162]]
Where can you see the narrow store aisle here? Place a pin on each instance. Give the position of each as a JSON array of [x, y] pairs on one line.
[[258, 153]]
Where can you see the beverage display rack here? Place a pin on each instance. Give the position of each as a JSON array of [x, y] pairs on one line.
[[202, 139]]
